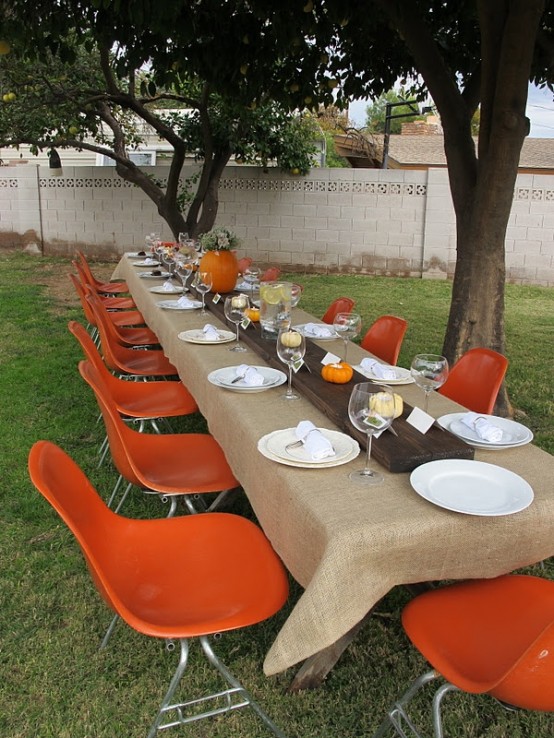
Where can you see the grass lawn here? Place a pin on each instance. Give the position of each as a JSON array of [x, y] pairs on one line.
[[55, 682]]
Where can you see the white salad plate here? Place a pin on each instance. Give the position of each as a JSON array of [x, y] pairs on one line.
[[146, 263], [174, 305], [513, 434], [471, 487], [224, 378], [150, 275], [163, 290], [307, 333], [347, 449], [403, 376], [197, 335]]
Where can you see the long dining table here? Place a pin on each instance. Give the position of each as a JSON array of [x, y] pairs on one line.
[[346, 545]]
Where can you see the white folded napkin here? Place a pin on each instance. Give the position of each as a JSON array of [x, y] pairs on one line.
[[243, 286], [210, 332], [187, 303], [378, 370], [168, 286], [150, 262], [250, 375], [483, 427], [317, 446], [318, 331]]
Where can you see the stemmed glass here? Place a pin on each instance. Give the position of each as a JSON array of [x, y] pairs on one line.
[[251, 276], [348, 326], [184, 270], [234, 308], [203, 284], [370, 409], [295, 294], [291, 347], [430, 371]]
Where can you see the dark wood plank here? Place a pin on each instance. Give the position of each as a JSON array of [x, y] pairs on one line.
[[397, 454]]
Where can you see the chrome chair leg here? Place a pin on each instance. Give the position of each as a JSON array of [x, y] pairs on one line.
[[108, 633], [232, 698], [123, 497], [397, 717], [437, 701]]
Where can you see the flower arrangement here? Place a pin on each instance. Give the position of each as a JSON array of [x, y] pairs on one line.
[[219, 239]]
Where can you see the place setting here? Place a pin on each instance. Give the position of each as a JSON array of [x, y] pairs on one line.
[[167, 288], [308, 447], [209, 334], [155, 274], [489, 432], [183, 303], [379, 372], [247, 379], [318, 331]]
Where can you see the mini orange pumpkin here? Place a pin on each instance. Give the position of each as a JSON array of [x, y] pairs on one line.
[[339, 373]]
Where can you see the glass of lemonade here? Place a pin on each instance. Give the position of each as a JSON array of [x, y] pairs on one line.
[[275, 307]]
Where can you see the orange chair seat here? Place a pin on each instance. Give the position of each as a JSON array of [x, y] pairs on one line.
[[340, 305], [494, 636]]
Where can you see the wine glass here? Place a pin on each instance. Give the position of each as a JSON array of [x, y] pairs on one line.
[[184, 270], [251, 276], [348, 326], [430, 371], [295, 294], [291, 347], [370, 409], [234, 308], [203, 284]]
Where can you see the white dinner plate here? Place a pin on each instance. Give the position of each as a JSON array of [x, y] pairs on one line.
[[471, 487], [146, 263], [161, 290], [136, 254], [151, 275], [513, 434], [302, 329], [224, 378], [403, 376], [174, 305], [325, 464], [277, 442], [197, 335]]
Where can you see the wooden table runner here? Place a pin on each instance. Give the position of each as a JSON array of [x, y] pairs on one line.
[[401, 453]]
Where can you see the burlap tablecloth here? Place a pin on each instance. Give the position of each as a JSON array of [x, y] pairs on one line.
[[347, 546]]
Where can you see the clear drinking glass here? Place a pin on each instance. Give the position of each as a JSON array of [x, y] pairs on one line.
[[251, 276], [291, 347], [203, 284], [370, 409], [430, 371], [296, 294], [347, 326], [184, 270], [234, 308]]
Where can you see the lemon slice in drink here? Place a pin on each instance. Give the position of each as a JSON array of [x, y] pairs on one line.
[[271, 293]]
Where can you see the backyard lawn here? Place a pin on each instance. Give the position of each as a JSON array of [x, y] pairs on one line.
[[56, 684]]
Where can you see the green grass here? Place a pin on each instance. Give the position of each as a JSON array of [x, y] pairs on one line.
[[55, 682]]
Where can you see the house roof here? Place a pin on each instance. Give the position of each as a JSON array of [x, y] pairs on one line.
[[424, 151]]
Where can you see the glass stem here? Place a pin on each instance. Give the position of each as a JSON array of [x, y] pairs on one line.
[[367, 470], [426, 403], [345, 348], [238, 339], [289, 390]]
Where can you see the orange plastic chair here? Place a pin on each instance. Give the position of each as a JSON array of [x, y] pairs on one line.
[[487, 636], [115, 304], [140, 401], [109, 288], [127, 361], [384, 338], [340, 305], [172, 465], [127, 336], [270, 274], [178, 579], [244, 263], [475, 379]]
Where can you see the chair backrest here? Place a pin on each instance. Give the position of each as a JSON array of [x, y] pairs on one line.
[[384, 338], [92, 354], [119, 434], [80, 290], [475, 379], [84, 268], [270, 274], [244, 263], [115, 355], [340, 305]]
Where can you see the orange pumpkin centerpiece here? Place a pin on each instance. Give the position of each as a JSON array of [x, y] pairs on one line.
[[219, 258], [338, 373]]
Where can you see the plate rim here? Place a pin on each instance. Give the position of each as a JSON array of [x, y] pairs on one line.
[[466, 463], [304, 465], [159, 290], [167, 306], [142, 264], [281, 379], [231, 336], [481, 441], [351, 440], [407, 379]]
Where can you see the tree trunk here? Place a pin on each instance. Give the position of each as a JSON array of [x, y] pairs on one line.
[[203, 209]]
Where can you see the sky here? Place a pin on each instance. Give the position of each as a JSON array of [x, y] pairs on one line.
[[540, 110]]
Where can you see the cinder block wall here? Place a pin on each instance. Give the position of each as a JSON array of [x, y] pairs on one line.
[[365, 221]]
